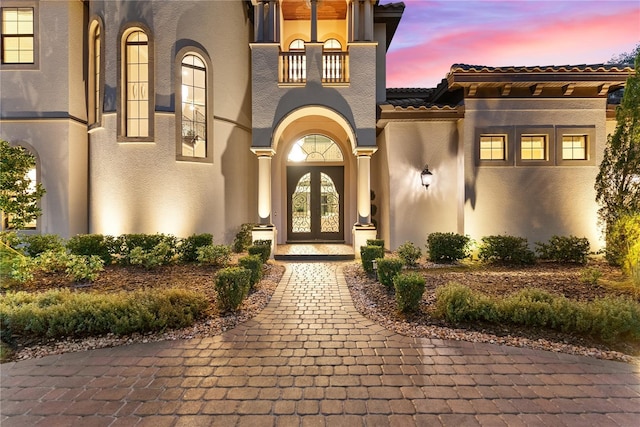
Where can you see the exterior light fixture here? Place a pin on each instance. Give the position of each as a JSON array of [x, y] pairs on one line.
[[426, 176]]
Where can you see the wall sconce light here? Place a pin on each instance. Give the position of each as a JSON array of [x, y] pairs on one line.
[[426, 176]]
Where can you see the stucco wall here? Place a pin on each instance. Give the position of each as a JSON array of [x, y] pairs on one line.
[[140, 187], [535, 202], [406, 210]]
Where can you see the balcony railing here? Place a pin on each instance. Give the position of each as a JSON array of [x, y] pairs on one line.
[[334, 67], [293, 67]]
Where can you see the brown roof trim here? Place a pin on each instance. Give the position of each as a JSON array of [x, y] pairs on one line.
[[390, 15], [390, 113]]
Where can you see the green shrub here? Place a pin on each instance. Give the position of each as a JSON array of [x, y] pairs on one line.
[[564, 249], [448, 247], [388, 268], [52, 261], [621, 236], [62, 313], [93, 244], [368, 254], [506, 249], [253, 263], [609, 319], [457, 303], [148, 244], [264, 251], [10, 239], [243, 238], [590, 275], [232, 285], [35, 244], [409, 288], [409, 253], [214, 255], [631, 263], [84, 268], [159, 255], [375, 242], [22, 268], [188, 248]]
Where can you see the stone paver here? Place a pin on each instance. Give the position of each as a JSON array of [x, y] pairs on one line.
[[311, 359]]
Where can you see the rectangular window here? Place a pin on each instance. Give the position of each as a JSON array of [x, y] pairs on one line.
[[533, 147], [574, 147], [18, 35], [493, 147]]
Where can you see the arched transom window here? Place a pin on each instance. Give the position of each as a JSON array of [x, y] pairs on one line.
[[194, 107], [315, 148]]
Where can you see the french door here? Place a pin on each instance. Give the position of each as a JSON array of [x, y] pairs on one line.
[[315, 199]]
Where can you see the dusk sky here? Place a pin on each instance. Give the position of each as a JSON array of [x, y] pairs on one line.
[[433, 35]]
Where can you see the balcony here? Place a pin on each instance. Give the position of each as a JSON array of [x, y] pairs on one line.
[[293, 67]]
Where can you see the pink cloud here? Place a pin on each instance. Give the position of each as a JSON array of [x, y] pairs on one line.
[[565, 40]]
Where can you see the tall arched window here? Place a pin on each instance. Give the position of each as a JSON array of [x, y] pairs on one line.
[[194, 107], [136, 78], [95, 73]]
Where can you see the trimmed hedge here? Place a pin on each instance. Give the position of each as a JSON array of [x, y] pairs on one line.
[[262, 248], [564, 249], [388, 268], [93, 244], [188, 248], [368, 254], [63, 313], [214, 255], [375, 242], [232, 285], [253, 263], [448, 247], [409, 289], [506, 249], [609, 318]]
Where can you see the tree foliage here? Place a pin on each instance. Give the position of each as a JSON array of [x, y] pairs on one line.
[[626, 58], [618, 182], [19, 195]]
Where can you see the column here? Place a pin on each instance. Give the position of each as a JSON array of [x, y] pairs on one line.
[[270, 21], [314, 21], [264, 230], [259, 17], [368, 20], [364, 186], [363, 230], [264, 186]]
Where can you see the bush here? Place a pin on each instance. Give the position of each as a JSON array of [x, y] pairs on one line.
[[506, 249], [264, 251], [409, 289], [457, 303], [22, 268], [188, 248], [564, 249], [253, 263], [52, 261], [62, 313], [388, 268], [609, 319], [375, 242], [243, 238], [631, 264], [147, 243], [93, 244], [620, 237], [448, 247], [35, 244], [409, 253], [232, 285], [368, 254], [590, 275], [159, 255], [10, 239], [84, 268], [214, 255]]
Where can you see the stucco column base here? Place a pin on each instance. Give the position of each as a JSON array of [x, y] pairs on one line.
[[265, 232], [360, 234]]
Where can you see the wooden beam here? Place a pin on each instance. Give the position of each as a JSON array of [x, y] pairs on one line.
[[505, 89], [567, 90]]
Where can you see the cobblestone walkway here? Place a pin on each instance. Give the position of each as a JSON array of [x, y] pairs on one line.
[[310, 359]]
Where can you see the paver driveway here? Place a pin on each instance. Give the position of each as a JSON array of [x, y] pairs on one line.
[[310, 359]]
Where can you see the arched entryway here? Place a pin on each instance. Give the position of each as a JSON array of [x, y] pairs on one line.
[[315, 190]]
